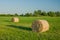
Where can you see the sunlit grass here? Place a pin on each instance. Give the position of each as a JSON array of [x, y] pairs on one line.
[[22, 30]]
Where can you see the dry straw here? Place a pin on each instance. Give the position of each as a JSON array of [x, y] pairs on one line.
[[15, 19], [40, 26]]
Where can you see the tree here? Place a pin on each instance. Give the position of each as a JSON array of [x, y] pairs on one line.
[[22, 15], [37, 13], [27, 14], [51, 13], [57, 13], [30, 14], [16, 14], [44, 13]]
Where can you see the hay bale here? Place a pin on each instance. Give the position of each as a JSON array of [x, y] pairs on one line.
[[40, 26], [15, 19]]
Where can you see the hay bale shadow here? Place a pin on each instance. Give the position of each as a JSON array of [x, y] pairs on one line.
[[20, 27], [7, 20]]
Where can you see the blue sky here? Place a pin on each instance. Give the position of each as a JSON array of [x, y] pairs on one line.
[[23, 6]]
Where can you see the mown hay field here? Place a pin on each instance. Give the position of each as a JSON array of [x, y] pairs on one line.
[[22, 30]]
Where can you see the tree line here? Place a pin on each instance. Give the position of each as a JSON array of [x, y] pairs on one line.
[[36, 13]]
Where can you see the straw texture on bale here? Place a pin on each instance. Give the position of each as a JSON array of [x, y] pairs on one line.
[[15, 19], [40, 26]]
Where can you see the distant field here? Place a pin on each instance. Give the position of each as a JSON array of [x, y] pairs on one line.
[[22, 30]]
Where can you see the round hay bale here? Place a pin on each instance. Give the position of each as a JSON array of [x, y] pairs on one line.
[[15, 19], [40, 26]]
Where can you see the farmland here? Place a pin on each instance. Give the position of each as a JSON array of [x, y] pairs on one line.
[[22, 30]]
